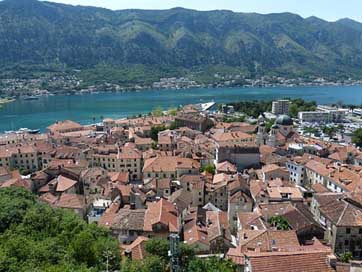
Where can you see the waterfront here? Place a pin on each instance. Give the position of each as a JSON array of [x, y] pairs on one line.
[[90, 108]]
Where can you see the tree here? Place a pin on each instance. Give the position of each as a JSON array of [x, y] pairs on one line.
[[157, 247], [210, 168], [172, 111], [155, 130], [211, 265], [14, 203], [346, 257], [293, 110], [279, 222], [173, 125], [36, 237], [357, 137], [157, 112], [269, 124]]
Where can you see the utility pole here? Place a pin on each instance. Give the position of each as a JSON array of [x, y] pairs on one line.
[[174, 253]]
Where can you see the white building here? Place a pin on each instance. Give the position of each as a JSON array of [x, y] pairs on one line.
[[329, 116], [296, 172], [280, 107]]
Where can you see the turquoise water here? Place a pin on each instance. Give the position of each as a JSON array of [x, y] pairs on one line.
[[83, 108]]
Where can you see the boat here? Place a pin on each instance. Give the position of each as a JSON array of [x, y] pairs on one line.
[[27, 130], [29, 98]]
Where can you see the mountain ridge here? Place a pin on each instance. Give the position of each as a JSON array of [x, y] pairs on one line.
[[81, 37]]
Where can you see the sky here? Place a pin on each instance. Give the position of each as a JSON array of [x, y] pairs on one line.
[[330, 10]]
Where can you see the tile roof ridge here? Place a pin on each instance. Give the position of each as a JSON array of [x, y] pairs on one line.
[[342, 214]]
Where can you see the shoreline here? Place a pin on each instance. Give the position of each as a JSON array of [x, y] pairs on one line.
[[76, 93], [4, 101], [123, 108]]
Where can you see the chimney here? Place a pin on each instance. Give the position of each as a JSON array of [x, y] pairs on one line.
[[128, 254], [331, 260]]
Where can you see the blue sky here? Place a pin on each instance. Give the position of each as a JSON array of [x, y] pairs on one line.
[[330, 10]]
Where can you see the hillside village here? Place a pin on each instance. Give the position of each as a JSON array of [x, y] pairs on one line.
[[268, 199]]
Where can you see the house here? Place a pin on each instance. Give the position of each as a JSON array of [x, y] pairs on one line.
[[65, 185], [218, 231], [195, 232], [182, 199], [342, 220], [127, 159], [161, 219], [169, 167], [303, 259], [273, 171], [72, 202], [194, 121], [267, 240], [143, 143], [243, 156], [316, 172], [195, 184], [5, 174], [136, 250], [63, 127], [298, 217], [223, 138], [128, 224], [226, 167]]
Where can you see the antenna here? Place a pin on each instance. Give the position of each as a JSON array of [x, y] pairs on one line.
[[174, 252]]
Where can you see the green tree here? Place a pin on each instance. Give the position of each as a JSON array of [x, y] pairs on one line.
[[357, 137], [158, 247], [173, 125], [14, 204], [279, 222], [211, 265], [210, 168], [293, 110], [155, 130], [157, 112], [346, 257], [172, 111], [36, 237]]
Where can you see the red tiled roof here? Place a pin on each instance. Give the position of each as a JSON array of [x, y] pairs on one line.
[[137, 248], [65, 183], [162, 212], [306, 261], [71, 201]]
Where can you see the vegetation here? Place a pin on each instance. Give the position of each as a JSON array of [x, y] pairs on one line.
[[279, 222], [157, 112], [210, 168], [36, 237], [155, 130], [331, 130], [140, 46], [234, 119], [312, 130], [346, 257], [255, 108], [298, 105], [252, 108], [172, 111], [357, 137], [158, 260]]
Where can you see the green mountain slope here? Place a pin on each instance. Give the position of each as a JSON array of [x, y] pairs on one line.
[[46, 34]]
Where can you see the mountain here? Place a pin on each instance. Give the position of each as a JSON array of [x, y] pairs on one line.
[[46, 34]]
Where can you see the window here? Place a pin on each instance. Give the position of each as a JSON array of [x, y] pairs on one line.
[[360, 231], [348, 230], [346, 242]]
